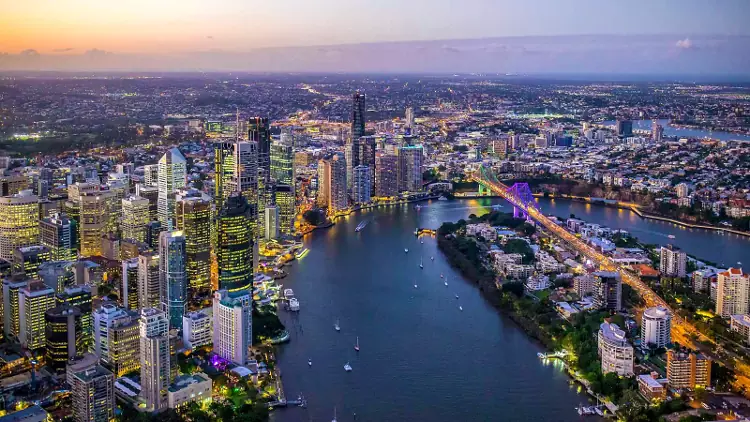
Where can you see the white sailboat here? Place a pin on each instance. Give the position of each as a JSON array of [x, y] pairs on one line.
[[336, 326], [334, 415], [421, 264], [347, 367], [356, 346], [309, 362], [460, 308]]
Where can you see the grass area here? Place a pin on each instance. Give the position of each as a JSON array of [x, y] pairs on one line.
[[542, 294]]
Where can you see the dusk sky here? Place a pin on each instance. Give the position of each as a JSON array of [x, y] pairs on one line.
[[165, 28]]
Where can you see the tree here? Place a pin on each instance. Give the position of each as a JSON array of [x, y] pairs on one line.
[[514, 287]]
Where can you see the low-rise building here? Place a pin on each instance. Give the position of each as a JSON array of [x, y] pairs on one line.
[[30, 414], [741, 324], [537, 282], [189, 388], [651, 387]]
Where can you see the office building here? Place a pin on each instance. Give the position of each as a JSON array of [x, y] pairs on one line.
[[12, 306], [285, 201], [409, 167], [386, 175], [135, 218], [79, 297], [608, 290], [323, 183], [151, 193], [688, 370], [58, 274], [741, 325], [732, 293], [94, 220], [117, 339], [334, 183], [673, 262], [26, 260], [19, 223], [624, 128], [359, 152], [196, 329], [149, 289], [155, 358], [59, 234], [152, 234], [151, 175], [259, 131], [657, 131], [93, 395], [64, 336], [223, 170], [232, 325], [189, 388], [361, 192], [172, 176], [34, 300], [235, 244], [282, 163], [614, 350], [173, 275], [129, 284], [656, 327], [358, 115], [193, 218], [271, 230]]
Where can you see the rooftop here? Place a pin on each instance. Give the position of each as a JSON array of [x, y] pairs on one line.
[[741, 319], [33, 412]]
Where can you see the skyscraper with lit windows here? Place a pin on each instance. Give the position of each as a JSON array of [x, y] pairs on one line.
[[19, 223], [149, 289], [193, 218], [410, 168], [58, 233], [135, 218], [34, 300], [172, 176], [358, 115], [282, 163], [285, 201], [234, 247], [361, 185], [155, 358], [233, 326], [94, 221], [173, 275], [259, 131]]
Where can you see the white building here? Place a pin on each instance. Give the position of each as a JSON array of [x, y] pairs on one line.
[[189, 388], [233, 330], [196, 329], [93, 395], [271, 229], [155, 358], [614, 350], [741, 324], [537, 282], [673, 262], [732, 293], [172, 176], [104, 318], [656, 327], [584, 284]]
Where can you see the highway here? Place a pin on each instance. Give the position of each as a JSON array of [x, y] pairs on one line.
[[683, 332]]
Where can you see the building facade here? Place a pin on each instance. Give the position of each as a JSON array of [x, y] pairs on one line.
[[173, 275], [732, 293], [233, 330], [656, 327], [614, 350], [156, 372]]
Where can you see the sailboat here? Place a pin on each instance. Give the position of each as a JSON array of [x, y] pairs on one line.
[[336, 326], [445, 282], [415, 286], [347, 367], [356, 346], [309, 362], [460, 308], [334, 415], [456, 296], [421, 265], [432, 258]]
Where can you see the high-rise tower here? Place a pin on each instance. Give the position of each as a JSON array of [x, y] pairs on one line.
[[172, 275], [172, 176], [358, 115], [234, 247]]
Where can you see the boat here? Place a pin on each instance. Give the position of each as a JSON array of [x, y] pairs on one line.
[[406, 250], [598, 411], [415, 286], [421, 265], [442, 198], [360, 226], [456, 296], [294, 304], [421, 241], [356, 346], [441, 276], [309, 362], [334, 415], [288, 293], [432, 258], [540, 355], [347, 367], [460, 308], [417, 207], [336, 326], [446, 283], [301, 253], [671, 236]]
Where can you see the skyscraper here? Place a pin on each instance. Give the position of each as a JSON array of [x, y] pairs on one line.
[[172, 176], [155, 358], [58, 233], [410, 168], [117, 339], [12, 306], [386, 175], [259, 131], [282, 163], [235, 245], [94, 220], [361, 186], [673, 261], [324, 183], [78, 297], [173, 275], [63, 335], [624, 128], [285, 201], [34, 300], [223, 170], [656, 327], [135, 218], [19, 223], [358, 115], [337, 191], [93, 395], [26, 260], [360, 152], [657, 131], [732, 293], [151, 174], [129, 285], [608, 290], [149, 291], [409, 118], [193, 218], [272, 222], [245, 180], [233, 328]]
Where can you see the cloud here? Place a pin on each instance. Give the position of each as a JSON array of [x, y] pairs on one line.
[[29, 52], [95, 52], [63, 50], [685, 44]]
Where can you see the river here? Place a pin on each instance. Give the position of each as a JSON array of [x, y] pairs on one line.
[[421, 358], [685, 132]]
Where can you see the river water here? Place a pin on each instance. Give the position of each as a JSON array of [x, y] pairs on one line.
[[421, 358], [685, 132]]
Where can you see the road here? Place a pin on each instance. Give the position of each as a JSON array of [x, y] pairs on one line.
[[683, 332]]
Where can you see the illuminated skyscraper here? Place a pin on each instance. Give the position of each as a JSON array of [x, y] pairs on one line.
[[117, 339], [19, 223], [58, 233], [282, 163], [193, 218], [223, 170], [151, 174], [410, 168], [172, 176], [358, 115], [129, 285], [135, 218], [79, 297], [286, 203], [93, 394], [409, 119], [235, 245], [361, 185], [259, 131], [63, 335], [34, 300], [324, 183], [26, 260], [173, 275], [155, 358], [386, 175], [152, 194], [337, 193], [12, 306], [149, 291], [94, 220], [233, 326], [360, 152]]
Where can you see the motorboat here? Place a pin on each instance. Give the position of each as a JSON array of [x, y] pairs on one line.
[[460, 308], [441, 276], [361, 226], [421, 264], [309, 362], [415, 286], [336, 326], [406, 250], [347, 367], [294, 304], [432, 258], [456, 296]]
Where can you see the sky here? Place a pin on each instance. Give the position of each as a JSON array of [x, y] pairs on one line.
[[162, 33]]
